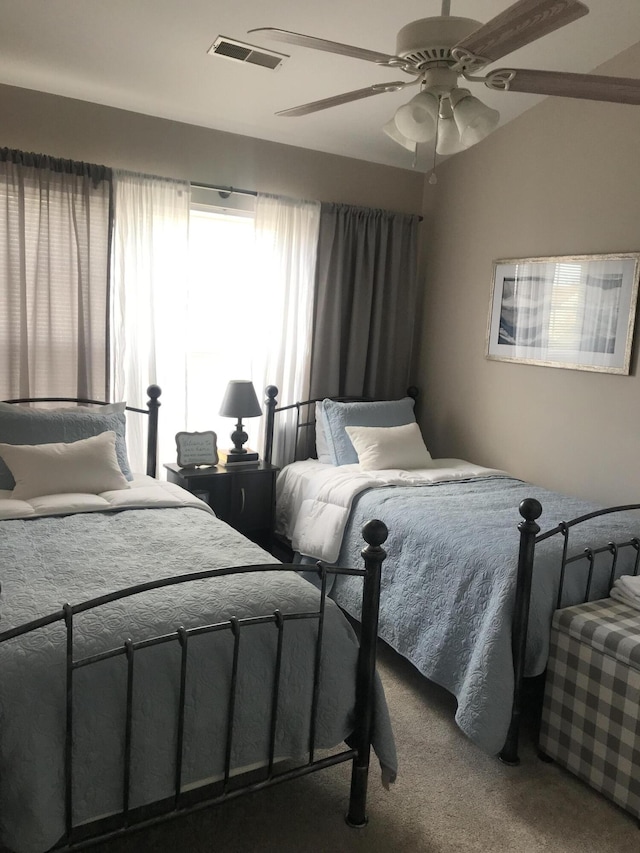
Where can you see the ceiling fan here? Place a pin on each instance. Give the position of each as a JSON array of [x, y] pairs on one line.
[[437, 51]]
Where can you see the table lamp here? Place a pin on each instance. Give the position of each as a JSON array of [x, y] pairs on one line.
[[239, 401]]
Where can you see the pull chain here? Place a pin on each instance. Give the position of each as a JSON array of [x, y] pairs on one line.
[[433, 178]]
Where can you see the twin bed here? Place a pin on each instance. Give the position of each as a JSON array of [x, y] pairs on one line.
[[153, 659], [464, 597]]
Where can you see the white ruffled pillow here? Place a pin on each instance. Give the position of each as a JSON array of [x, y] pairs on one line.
[[379, 448], [89, 466]]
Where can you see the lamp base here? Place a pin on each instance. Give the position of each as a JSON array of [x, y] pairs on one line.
[[238, 437]]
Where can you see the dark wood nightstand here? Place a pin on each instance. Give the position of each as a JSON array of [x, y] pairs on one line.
[[245, 497]]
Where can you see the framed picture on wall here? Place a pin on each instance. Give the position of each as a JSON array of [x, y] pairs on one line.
[[576, 312]]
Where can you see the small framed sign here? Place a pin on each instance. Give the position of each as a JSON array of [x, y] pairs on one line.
[[197, 448]]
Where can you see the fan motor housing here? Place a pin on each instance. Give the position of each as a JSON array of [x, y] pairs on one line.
[[431, 39]]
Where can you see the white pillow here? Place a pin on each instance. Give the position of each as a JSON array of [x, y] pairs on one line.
[[88, 466], [389, 447]]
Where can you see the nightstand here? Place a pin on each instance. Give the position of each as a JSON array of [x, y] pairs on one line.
[[245, 498]]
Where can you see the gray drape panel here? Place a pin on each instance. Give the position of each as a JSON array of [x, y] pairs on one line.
[[365, 310], [55, 227]]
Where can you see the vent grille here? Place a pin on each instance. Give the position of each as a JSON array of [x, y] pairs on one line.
[[241, 52]]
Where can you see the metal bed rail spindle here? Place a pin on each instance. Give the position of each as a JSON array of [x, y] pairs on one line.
[[126, 783], [275, 695], [68, 737], [316, 666], [183, 638], [564, 532], [231, 707]]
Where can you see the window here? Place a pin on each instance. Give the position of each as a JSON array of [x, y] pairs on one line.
[[226, 328], [202, 296]]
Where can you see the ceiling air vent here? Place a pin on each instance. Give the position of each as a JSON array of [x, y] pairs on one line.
[[232, 49]]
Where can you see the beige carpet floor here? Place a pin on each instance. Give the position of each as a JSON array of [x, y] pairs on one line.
[[449, 798]]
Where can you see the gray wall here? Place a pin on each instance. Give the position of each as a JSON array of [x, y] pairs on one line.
[[562, 179], [64, 127]]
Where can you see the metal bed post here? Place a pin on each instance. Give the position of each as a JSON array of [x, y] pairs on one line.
[[153, 405], [68, 739], [272, 392], [530, 509], [374, 533]]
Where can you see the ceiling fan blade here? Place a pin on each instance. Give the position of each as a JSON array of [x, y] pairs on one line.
[[336, 100], [594, 87], [329, 46], [520, 24]]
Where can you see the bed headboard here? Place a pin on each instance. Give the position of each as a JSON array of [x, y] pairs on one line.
[[305, 419], [153, 404]]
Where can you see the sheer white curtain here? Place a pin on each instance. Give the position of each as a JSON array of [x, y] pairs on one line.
[[149, 280], [286, 240], [164, 330]]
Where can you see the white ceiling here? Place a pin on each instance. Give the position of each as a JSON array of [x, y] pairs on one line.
[[150, 56]]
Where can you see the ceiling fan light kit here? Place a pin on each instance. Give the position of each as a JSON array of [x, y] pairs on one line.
[[418, 120], [391, 129], [473, 119], [448, 139], [448, 142], [435, 52]]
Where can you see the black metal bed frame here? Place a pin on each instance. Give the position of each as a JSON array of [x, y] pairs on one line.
[[530, 535], [78, 837], [128, 819]]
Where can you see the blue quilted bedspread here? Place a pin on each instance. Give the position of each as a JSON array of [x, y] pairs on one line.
[[448, 585]]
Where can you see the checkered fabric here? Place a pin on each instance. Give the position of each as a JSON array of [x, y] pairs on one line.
[[591, 712], [608, 625]]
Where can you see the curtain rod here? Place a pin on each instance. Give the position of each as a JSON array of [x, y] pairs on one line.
[[224, 192]]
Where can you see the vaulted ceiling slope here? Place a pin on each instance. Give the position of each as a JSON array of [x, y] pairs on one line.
[[152, 57]]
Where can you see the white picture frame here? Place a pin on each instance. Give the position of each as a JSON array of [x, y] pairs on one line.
[[197, 448], [573, 311]]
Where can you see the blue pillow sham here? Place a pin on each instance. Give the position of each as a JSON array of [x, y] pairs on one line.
[[21, 425], [322, 446], [336, 416]]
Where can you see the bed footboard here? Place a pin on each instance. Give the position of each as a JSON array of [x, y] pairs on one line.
[[530, 537], [225, 781]]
